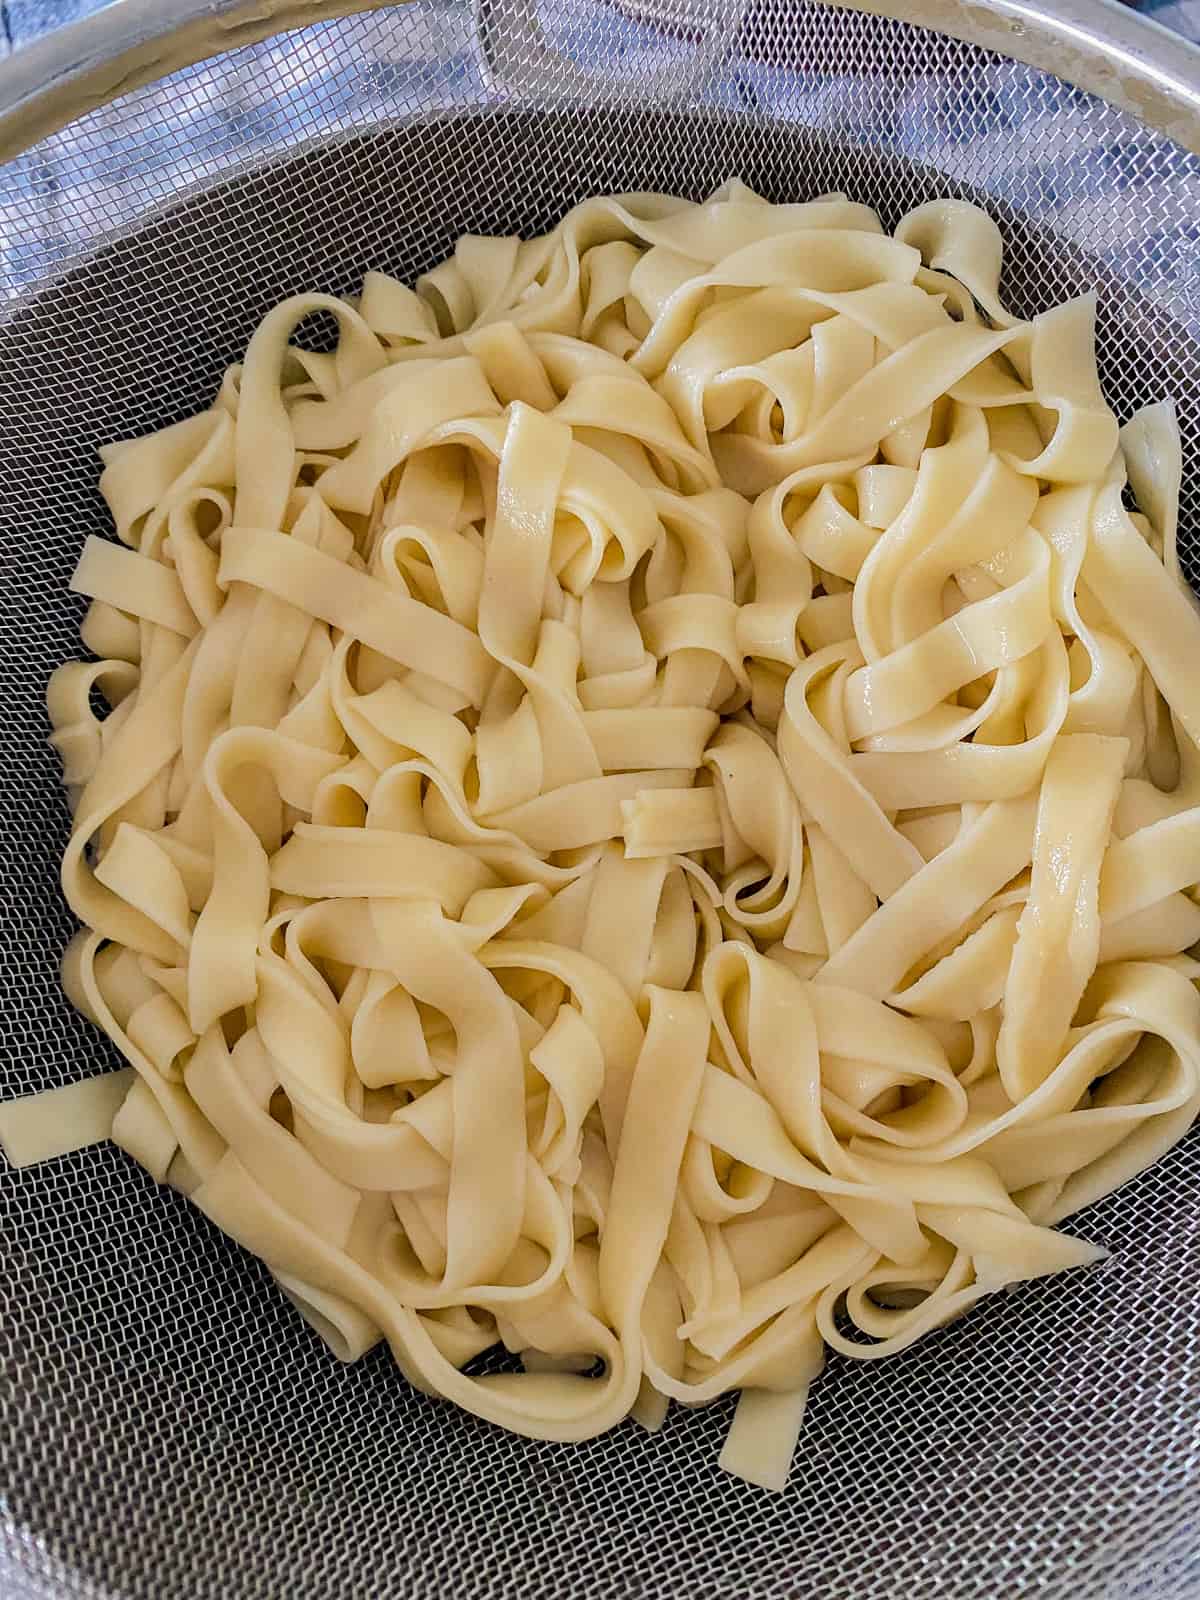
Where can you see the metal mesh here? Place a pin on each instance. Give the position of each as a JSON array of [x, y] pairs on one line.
[[170, 1428]]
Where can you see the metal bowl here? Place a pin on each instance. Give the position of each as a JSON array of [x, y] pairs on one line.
[[169, 1428]]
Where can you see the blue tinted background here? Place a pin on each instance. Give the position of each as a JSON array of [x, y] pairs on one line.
[[26, 19]]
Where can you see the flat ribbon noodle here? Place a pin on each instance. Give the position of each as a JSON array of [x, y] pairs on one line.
[[644, 805]]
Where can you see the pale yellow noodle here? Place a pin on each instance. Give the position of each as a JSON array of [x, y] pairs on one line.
[[651, 806]]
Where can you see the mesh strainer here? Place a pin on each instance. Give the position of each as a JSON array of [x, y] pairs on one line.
[[170, 1427]]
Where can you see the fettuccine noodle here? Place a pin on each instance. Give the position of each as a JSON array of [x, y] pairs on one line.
[[650, 811]]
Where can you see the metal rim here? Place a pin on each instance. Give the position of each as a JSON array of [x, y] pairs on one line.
[[1100, 46], [1096, 45], [128, 43]]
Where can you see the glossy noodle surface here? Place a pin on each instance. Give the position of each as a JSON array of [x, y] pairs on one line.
[[650, 810]]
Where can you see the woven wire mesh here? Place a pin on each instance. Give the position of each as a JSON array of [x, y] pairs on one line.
[[170, 1428]]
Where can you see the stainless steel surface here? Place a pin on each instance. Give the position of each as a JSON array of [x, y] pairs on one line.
[[1097, 45], [129, 43], [169, 1429]]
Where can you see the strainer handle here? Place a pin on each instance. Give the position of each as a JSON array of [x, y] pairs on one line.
[[1097, 45], [521, 59]]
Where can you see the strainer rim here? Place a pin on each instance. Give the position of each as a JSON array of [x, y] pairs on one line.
[[1099, 46]]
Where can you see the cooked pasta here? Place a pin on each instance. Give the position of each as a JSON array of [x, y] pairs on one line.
[[650, 811]]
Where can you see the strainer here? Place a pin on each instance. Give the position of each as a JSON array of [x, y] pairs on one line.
[[170, 1428]]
